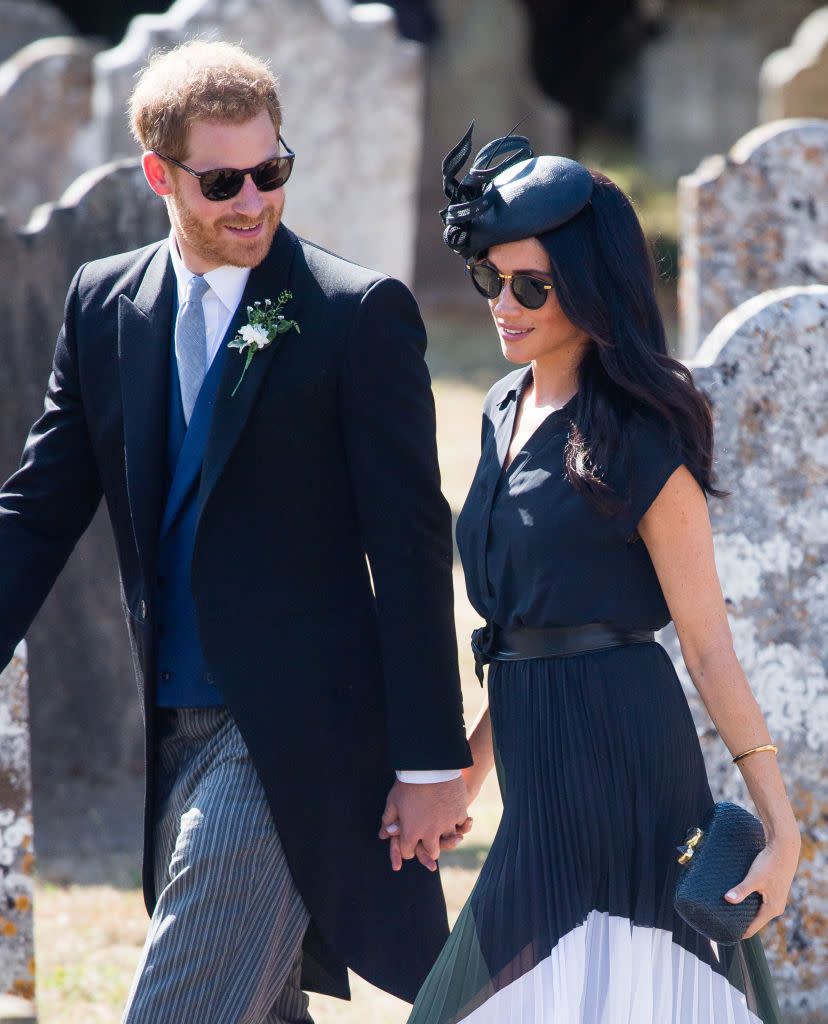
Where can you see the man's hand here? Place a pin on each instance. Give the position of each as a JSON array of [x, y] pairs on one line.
[[424, 815]]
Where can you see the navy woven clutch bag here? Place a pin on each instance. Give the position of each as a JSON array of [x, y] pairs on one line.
[[714, 858]]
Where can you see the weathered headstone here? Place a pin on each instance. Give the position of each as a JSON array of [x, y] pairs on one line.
[[352, 93], [698, 77], [45, 102], [754, 220], [478, 69], [24, 21], [17, 968], [85, 718], [794, 82], [697, 88], [352, 96], [764, 368]]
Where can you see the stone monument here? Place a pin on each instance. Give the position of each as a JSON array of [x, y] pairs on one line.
[[764, 369], [17, 966], [352, 94], [793, 82], [698, 77], [478, 69], [87, 736], [24, 21], [46, 90], [751, 221]]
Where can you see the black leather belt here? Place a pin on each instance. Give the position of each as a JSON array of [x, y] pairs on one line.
[[491, 643]]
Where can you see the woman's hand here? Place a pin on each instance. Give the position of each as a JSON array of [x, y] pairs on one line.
[[447, 842], [770, 875], [450, 842]]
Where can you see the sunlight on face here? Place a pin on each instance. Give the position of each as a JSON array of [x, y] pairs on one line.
[[525, 334], [237, 231]]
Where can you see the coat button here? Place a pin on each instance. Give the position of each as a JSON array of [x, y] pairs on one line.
[[165, 676], [142, 609]]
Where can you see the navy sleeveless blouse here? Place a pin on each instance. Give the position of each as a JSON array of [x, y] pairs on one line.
[[535, 553]]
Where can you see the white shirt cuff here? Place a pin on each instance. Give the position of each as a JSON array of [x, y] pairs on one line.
[[422, 777]]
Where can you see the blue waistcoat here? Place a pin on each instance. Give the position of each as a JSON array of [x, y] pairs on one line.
[[182, 676]]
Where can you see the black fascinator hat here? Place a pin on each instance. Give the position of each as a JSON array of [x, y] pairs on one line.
[[520, 196]]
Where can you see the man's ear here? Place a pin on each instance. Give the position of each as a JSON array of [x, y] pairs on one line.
[[157, 172]]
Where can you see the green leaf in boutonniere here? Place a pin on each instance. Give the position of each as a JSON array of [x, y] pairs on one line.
[[265, 321]]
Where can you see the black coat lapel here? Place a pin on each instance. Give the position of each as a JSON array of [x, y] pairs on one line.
[[144, 331], [191, 455], [266, 281]]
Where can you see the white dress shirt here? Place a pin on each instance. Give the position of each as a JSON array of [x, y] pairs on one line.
[[220, 303]]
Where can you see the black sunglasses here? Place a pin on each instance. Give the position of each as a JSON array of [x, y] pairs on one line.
[[226, 182], [529, 291]]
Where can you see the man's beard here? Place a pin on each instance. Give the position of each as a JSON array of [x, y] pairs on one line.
[[213, 244]]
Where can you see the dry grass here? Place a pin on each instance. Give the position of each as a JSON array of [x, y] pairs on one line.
[[89, 937]]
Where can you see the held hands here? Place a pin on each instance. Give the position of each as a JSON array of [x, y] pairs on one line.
[[770, 875], [421, 820]]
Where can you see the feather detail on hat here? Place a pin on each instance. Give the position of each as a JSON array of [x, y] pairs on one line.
[[468, 196], [453, 162], [520, 196]]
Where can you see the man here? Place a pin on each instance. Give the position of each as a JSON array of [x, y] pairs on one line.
[[245, 487]]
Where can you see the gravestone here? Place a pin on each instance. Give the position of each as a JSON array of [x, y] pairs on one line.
[[696, 88], [17, 973], [24, 21], [352, 94], [698, 77], [478, 69], [794, 82], [87, 738], [754, 220], [46, 90], [764, 368]]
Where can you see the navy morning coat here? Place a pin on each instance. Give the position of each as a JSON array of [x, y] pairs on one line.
[[325, 455]]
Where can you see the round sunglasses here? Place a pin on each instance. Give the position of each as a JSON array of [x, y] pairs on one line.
[[226, 182], [529, 291]]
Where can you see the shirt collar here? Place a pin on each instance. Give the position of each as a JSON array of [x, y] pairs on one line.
[[228, 283], [516, 391]]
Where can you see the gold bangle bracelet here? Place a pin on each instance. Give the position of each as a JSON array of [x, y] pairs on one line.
[[756, 750]]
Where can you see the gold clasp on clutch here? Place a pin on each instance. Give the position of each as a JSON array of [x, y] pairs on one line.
[[690, 843]]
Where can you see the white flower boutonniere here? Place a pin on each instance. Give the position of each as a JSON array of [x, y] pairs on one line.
[[265, 321]]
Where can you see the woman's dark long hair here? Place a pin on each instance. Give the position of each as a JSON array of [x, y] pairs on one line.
[[604, 278]]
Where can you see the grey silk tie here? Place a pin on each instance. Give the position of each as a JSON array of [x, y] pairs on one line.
[[191, 344]]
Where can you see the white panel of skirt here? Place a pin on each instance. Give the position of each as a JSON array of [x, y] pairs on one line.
[[610, 971]]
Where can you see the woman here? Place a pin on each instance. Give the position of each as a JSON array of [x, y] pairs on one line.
[[586, 529]]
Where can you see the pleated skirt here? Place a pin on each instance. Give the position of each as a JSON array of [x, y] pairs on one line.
[[571, 920]]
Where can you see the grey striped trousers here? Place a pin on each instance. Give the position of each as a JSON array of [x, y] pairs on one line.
[[224, 943]]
